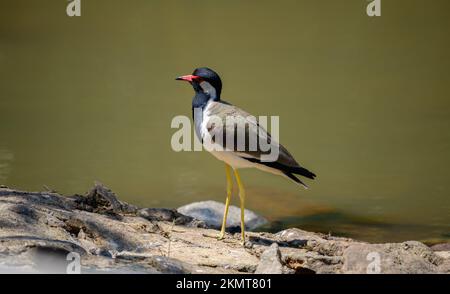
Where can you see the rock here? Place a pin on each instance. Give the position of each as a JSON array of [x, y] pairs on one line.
[[43, 232], [211, 213], [444, 267], [405, 258], [102, 200], [327, 254], [269, 262], [163, 214], [441, 247], [109, 235], [168, 265]]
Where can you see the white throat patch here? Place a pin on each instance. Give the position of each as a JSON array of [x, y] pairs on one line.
[[208, 89]]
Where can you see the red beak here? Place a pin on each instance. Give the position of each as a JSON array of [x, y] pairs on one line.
[[188, 78]]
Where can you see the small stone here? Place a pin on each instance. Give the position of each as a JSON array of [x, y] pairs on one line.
[[211, 213], [441, 247], [167, 265], [270, 261]]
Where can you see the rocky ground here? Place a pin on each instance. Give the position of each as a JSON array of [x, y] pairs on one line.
[[46, 232]]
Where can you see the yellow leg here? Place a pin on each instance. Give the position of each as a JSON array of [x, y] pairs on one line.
[[227, 202], [242, 198]]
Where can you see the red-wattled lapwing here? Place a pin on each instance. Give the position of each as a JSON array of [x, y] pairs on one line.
[[208, 86]]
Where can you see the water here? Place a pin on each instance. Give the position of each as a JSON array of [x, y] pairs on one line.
[[363, 102]]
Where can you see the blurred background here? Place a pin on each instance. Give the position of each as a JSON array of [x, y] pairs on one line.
[[363, 102]]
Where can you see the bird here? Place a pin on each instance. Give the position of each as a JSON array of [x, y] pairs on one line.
[[207, 104]]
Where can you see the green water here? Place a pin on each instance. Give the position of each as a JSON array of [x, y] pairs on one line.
[[363, 102]]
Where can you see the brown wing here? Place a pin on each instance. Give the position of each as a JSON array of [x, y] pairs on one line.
[[247, 127]]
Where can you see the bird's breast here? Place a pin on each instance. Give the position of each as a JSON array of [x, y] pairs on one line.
[[202, 121]]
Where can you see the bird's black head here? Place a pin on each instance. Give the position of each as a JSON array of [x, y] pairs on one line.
[[205, 81]]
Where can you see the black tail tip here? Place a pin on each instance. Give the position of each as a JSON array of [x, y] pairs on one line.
[[296, 180], [304, 172]]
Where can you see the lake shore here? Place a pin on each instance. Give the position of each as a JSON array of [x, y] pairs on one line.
[[39, 230]]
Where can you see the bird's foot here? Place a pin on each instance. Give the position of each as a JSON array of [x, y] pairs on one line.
[[242, 239], [246, 244]]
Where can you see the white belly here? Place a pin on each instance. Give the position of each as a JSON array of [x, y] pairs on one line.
[[231, 159]]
